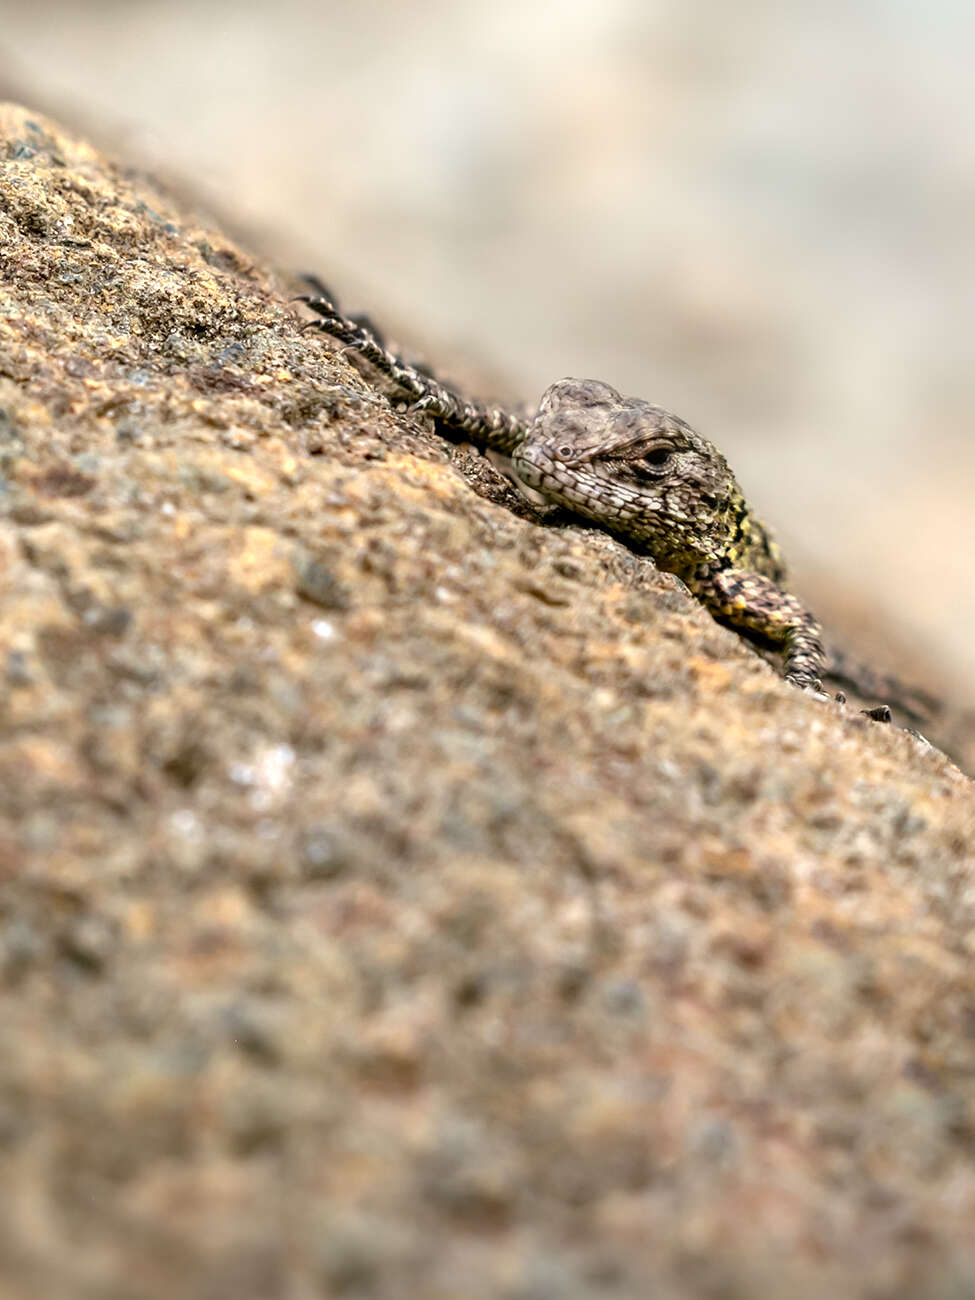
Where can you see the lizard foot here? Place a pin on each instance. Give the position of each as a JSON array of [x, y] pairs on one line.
[[805, 682]]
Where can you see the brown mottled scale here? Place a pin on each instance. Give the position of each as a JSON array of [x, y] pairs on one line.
[[644, 474], [639, 472]]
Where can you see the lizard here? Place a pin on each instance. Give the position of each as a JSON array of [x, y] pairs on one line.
[[643, 474]]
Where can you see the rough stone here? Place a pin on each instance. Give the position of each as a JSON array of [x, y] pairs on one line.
[[400, 895]]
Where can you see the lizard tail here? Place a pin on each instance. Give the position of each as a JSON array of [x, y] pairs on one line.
[[485, 426]]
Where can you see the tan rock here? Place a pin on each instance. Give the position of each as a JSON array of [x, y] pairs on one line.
[[398, 896]]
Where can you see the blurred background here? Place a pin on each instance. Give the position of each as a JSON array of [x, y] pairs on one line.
[[760, 214]]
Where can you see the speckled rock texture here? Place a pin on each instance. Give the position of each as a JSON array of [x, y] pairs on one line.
[[401, 896]]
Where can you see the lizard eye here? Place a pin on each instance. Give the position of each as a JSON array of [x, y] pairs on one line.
[[658, 457]]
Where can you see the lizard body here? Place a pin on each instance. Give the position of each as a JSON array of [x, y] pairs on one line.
[[644, 475]]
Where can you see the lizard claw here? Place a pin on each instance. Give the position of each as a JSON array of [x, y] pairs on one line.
[[881, 713], [806, 683]]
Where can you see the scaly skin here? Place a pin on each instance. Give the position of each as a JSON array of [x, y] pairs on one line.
[[643, 474], [646, 476]]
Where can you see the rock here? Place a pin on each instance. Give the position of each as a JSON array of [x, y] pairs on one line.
[[370, 921]]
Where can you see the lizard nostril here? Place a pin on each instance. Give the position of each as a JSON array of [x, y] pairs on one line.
[[565, 451]]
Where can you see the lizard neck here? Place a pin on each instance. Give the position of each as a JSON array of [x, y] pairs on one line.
[[751, 546], [741, 542]]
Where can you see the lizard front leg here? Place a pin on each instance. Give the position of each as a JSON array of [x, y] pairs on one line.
[[756, 605]]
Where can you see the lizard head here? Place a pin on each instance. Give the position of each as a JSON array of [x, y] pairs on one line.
[[635, 469]]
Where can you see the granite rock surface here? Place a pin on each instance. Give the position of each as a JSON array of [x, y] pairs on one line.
[[401, 896]]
